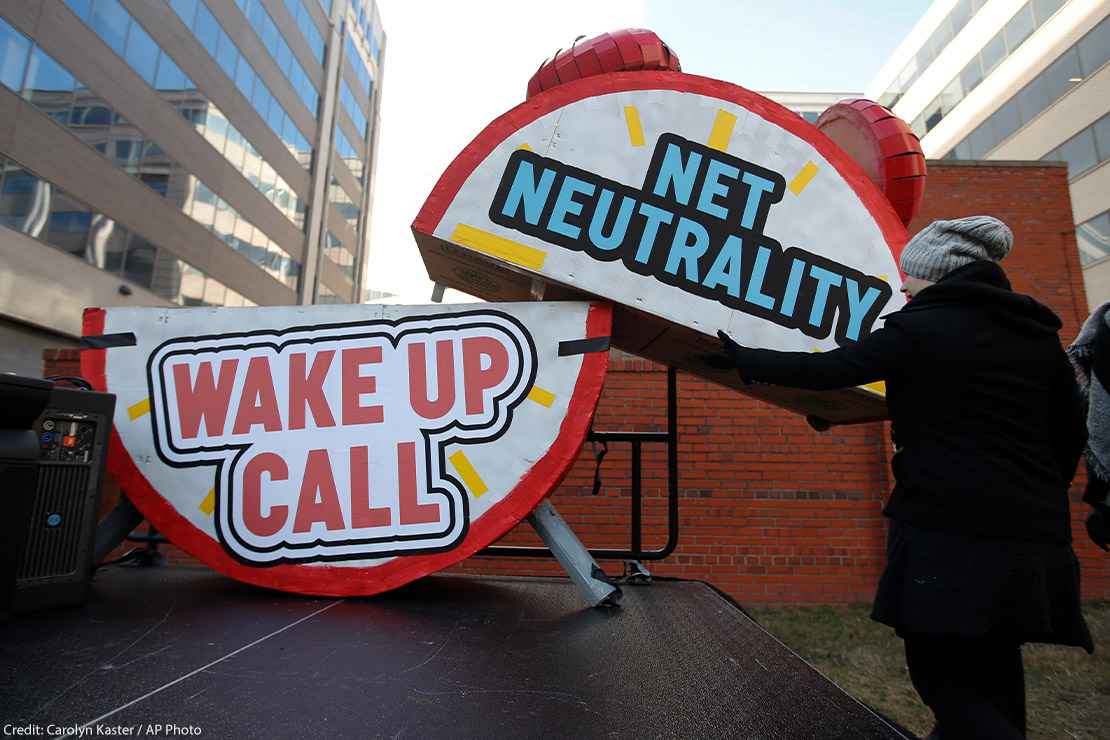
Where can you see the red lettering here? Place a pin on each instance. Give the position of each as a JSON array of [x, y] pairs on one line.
[[411, 511], [355, 385], [309, 389], [362, 515], [258, 402], [263, 525], [319, 500], [476, 379], [445, 380], [207, 399]]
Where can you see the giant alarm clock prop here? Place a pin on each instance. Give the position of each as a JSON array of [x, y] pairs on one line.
[[692, 204], [344, 450]]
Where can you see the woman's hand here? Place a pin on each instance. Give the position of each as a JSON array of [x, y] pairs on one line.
[[728, 358]]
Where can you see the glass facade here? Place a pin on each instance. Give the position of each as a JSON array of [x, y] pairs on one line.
[[43, 211], [368, 25], [267, 31], [354, 57], [1088, 148], [302, 16], [354, 110], [203, 190], [340, 255], [347, 208], [325, 296], [348, 154], [1080, 61], [167, 76], [213, 125], [1093, 237], [54, 90], [196, 15], [949, 26], [1021, 26]]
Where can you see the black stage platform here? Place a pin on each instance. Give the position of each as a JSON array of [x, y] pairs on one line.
[[448, 656]]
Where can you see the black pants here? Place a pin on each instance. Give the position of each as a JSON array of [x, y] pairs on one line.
[[975, 686]]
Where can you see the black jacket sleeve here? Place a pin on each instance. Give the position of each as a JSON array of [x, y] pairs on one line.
[[880, 355]]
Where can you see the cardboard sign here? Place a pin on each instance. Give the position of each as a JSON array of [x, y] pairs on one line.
[[345, 449], [692, 204]]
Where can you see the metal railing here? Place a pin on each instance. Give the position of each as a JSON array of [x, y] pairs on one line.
[[637, 440]]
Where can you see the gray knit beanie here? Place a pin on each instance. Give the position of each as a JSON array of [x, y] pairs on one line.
[[943, 246]]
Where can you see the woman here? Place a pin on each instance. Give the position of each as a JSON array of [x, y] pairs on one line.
[[988, 429]]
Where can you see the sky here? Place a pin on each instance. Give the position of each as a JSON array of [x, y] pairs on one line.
[[453, 66]]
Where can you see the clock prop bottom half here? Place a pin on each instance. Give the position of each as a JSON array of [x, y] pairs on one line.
[[345, 450]]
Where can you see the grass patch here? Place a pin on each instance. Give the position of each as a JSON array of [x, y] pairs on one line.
[[1068, 691]]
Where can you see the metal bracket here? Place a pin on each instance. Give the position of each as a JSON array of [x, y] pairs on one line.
[[114, 528], [583, 570], [636, 574]]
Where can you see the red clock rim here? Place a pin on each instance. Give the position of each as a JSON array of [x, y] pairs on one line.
[[322, 580], [542, 103]]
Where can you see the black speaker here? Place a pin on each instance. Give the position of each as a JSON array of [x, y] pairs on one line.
[[71, 444], [23, 401]]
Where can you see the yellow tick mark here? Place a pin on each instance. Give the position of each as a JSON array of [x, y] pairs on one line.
[[798, 184], [136, 410], [473, 481], [722, 130], [499, 246], [635, 130], [208, 505], [525, 147], [541, 396]]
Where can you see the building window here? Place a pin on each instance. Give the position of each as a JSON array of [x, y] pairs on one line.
[[43, 211], [1088, 148], [1055, 81], [14, 48], [267, 31], [126, 147], [1093, 238]]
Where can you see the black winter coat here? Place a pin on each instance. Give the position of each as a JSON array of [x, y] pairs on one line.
[[988, 428], [987, 421]]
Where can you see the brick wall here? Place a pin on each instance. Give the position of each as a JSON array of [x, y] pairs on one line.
[[772, 511]]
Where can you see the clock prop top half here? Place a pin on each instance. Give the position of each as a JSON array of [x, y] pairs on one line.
[[692, 205]]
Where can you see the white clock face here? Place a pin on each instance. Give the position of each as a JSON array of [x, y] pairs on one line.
[[701, 205], [340, 442]]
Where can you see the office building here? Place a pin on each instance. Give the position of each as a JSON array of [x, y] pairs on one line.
[[1016, 80], [181, 153], [808, 105]]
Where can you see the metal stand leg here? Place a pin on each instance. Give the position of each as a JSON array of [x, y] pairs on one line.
[[574, 557], [114, 528]]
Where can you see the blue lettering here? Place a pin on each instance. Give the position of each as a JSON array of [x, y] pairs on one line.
[[757, 188], [755, 282], [726, 267], [672, 172], [858, 307], [654, 216], [683, 251], [712, 187], [565, 204], [527, 191], [620, 226], [790, 295], [824, 279]]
